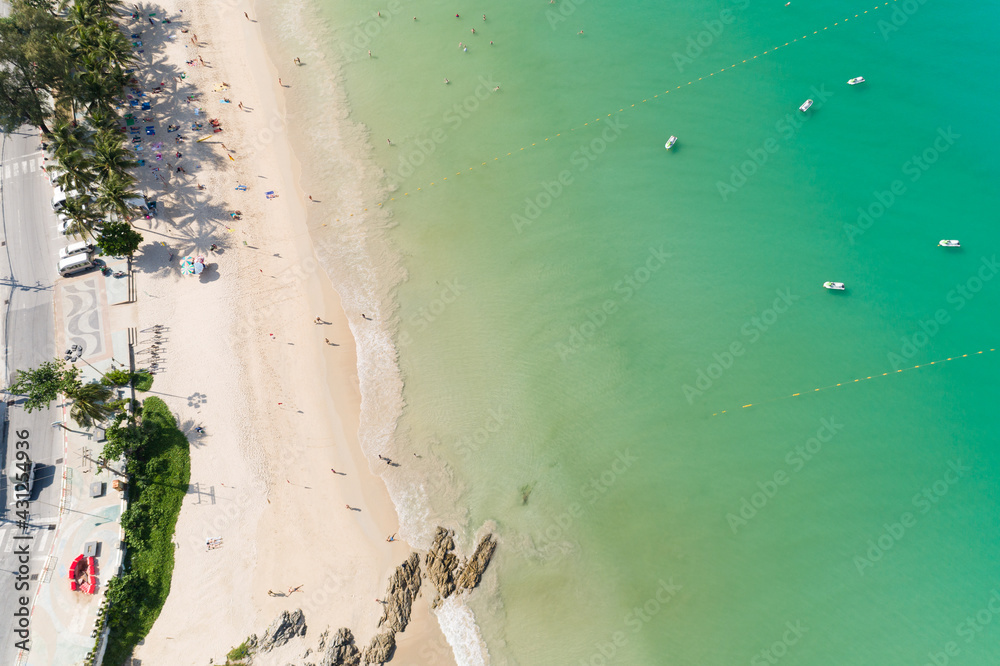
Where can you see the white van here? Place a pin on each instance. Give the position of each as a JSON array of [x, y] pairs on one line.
[[75, 263], [76, 248]]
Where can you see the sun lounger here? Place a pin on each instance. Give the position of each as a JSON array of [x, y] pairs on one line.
[[91, 565], [241, 188], [92, 587], [73, 585]]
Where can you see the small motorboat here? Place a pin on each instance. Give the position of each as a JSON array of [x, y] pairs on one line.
[[839, 286], [949, 243], [805, 105], [856, 80], [670, 142]]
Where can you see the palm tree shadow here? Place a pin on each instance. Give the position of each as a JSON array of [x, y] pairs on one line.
[[188, 219]]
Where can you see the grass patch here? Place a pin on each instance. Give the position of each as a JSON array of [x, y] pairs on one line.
[[161, 469], [238, 654], [143, 380]]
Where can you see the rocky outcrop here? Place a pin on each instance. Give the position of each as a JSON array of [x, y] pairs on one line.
[[341, 650], [440, 563], [474, 569], [447, 573], [284, 628], [322, 640], [403, 588], [381, 648]]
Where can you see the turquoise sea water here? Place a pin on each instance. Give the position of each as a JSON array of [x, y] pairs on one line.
[[579, 311]]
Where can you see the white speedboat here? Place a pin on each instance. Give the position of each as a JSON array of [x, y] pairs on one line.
[[805, 105], [670, 142], [856, 80], [839, 286], [949, 243]]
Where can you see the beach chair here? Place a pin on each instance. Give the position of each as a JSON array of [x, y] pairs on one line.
[[241, 188]]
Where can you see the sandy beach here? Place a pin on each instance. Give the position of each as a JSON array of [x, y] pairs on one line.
[[276, 393]]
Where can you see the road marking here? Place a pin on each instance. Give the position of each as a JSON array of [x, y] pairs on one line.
[[43, 539], [17, 169], [32, 163], [6, 171], [2, 535]]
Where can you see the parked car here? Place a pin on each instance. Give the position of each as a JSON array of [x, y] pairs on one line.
[[19, 483]]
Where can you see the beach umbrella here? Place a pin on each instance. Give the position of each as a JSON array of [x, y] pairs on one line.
[[199, 265], [187, 266]]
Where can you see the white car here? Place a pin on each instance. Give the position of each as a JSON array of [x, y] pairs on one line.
[[19, 483], [76, 248]]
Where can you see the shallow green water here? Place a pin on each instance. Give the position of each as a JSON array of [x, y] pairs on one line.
[[578, 314]]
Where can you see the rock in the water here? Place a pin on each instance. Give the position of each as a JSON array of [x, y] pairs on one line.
[[285, 627], [403, 588], [381, 648], [441, 563], [341, 650], [473, 570]]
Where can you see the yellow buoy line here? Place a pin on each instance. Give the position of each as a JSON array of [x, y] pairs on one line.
[[861, 379], [542, 142]]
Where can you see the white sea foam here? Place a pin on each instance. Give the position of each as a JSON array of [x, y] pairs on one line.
[[458, 624]]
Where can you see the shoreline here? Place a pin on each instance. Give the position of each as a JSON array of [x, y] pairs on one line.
[[262, 469]]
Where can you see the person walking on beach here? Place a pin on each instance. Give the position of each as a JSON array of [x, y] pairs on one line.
[[318, 320], [327, 340], [247, 15]]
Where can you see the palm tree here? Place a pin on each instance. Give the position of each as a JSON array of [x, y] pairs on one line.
[[112, 156], [89, 403], [108, 8], [70, 144], [110, 43], [104, 120], [77, 172], [83, 217], [114, 193], [67, 137]]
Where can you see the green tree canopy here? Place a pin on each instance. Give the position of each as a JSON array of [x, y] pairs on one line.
[[119, 239], [32, 66], [43, 384]]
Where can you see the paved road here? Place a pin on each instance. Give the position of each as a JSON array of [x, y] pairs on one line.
[[27, 274]]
